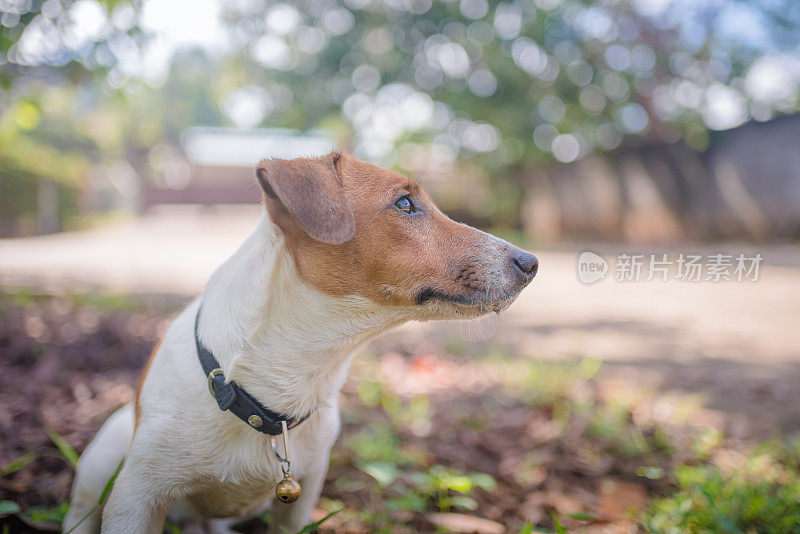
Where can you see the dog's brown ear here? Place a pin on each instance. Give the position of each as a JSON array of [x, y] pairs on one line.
[[311, 191]]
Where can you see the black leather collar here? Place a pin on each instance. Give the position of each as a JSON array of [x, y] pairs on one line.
[[230, 396]]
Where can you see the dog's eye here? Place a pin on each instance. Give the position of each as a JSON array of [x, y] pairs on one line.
[[404, 204]]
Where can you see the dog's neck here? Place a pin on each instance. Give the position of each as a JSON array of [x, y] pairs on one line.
[[286, 343]]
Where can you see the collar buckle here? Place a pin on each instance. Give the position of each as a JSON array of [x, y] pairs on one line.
[[211, 375]]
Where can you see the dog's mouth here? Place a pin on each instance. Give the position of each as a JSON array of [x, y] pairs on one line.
[[473, 303], [428, 294]]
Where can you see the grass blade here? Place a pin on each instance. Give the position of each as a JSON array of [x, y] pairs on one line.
[[313, 526], [557, 524], [103, 497], [110, 484], [85, 516], [65, 448], [15, 465]]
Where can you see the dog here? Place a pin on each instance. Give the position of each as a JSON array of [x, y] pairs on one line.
[[344, 251]]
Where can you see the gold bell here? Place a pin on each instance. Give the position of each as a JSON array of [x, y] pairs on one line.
[[288, 490]]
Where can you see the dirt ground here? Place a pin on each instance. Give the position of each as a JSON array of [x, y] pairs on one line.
[[533, 440], [734, 343], [68, 361]]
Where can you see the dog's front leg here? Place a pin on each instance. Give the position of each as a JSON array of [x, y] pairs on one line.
[[134, 506], [290, 518]]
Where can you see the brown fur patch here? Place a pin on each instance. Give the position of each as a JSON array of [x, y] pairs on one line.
[[136, 408], [392, 256]]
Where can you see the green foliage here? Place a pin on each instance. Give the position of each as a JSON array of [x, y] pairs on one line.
[[401, 412], [412, 501], [15, 465], [45, 133], [507, 80], [450, 488], [8, 507], [107, 302], [22, 296], [559, 528], [314, 526], [172, 528], [48, 515], [378, 443], [547, 382], [66, 450], [384, 473], [398, 470], [763, 496], [706, 442], [70, 57], [377, 454]]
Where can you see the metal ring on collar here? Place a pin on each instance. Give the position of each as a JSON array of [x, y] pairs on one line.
[[211, 375], [284, 460]]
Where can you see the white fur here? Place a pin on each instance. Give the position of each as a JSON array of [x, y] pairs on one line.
[[287, 344]]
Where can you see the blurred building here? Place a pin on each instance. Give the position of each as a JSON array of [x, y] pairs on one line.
[[217, 165]]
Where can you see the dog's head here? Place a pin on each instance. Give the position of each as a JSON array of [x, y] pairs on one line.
[[357, 229]]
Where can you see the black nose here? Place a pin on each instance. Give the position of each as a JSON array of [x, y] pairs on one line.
[[526, 263]]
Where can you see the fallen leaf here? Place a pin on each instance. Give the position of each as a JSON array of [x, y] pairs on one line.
[[619, 499], [563, 503], [466, 524]]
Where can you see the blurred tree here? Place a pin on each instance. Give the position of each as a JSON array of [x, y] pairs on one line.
[[52, 54], [476, 91], [58, 39], [510, 85]]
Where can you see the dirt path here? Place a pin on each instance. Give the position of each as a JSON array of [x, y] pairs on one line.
[[735, 343]]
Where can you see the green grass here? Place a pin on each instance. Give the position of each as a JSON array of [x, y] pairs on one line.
[[66, 450], [102, 302], [760, 496]]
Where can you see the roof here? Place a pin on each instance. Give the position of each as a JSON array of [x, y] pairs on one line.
[[231, 147]]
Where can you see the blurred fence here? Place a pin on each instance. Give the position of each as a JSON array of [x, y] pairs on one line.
[[746, 186]]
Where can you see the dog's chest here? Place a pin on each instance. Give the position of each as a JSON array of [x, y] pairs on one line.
[[228, 499], [243, 479]]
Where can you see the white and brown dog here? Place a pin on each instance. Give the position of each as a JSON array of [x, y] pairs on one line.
[[344, 251]]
